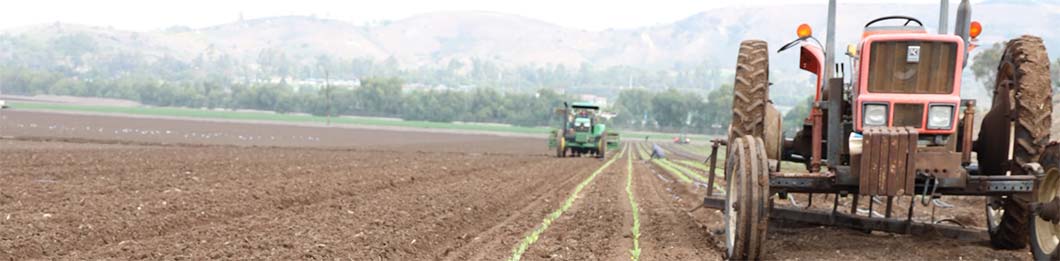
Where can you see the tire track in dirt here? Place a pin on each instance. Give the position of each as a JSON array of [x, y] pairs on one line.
[[596, 227]]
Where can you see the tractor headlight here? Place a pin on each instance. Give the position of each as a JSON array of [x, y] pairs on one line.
[[940, 117], [874, 115]]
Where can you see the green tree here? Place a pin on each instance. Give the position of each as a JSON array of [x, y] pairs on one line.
[[984, 65], [633, 107], [672, 108], [1056, 75], [718, 111], [792, 120], [380, 96]]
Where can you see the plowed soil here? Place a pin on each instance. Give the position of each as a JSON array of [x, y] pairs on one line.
[[106, 187]]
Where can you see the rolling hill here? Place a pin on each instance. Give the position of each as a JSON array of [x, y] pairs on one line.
[[434, 39]]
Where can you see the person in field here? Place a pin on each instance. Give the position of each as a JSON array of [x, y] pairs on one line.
[[657, 152]]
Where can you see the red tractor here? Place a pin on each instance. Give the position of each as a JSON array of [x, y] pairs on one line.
[[895, 127]]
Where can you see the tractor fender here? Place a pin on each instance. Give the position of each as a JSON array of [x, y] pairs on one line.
[[811, 59], [598, 130]]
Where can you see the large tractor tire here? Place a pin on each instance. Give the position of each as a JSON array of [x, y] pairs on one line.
[[747, 197], [602, 147], [773, 133], [1022, 88], [750, 101], [561, 145]]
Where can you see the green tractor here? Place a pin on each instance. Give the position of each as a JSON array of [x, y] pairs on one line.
[[582, 133]]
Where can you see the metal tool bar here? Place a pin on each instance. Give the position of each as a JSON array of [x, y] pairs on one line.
[[862, 223]]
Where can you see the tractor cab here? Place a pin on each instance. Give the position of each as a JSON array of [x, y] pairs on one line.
[[582, 124], [583, 116]]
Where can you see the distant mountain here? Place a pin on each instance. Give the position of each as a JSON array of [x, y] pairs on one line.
[[437, 38]]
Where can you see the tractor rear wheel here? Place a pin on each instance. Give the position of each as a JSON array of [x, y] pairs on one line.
[[750, 101], [747, 196], [1022, 88]]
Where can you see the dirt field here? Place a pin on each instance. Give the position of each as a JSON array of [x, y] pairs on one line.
[[93, 187]]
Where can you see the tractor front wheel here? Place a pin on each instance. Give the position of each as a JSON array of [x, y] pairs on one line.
[[1045, 235], [602, 147], [1022, 88], [747, 196], [561, 144]]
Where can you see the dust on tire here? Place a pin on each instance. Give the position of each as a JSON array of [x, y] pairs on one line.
[[750, 90]]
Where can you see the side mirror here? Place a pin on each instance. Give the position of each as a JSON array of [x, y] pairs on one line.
[[852, 51]]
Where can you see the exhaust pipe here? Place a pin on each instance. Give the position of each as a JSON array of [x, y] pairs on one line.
[[834, 138], [829, 46], [963, 25], [944, 16]]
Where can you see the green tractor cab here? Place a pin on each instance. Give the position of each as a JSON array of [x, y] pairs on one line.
[[582, 132]]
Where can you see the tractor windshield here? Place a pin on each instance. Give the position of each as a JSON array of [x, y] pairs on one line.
[[912, 67], [582, 124]]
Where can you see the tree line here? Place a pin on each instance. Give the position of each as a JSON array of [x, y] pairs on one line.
[[374, 96], [674, 111], [635, 108]]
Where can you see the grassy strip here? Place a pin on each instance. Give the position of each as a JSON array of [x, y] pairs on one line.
[[693, 173], [276, 117], [659, 136], [719, 171], [701, 150], [643, 151], [693, 164], [669, 168], [518, 250], [704, 150], [634, 253], [785, 166], [677, 170]]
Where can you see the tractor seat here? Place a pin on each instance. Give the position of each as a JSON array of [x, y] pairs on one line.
[[891, 29]]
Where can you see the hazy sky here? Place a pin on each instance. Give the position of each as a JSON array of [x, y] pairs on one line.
[[144, 15]]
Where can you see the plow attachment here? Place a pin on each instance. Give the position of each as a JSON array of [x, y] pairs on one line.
[[862, 223], [612, 141]]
